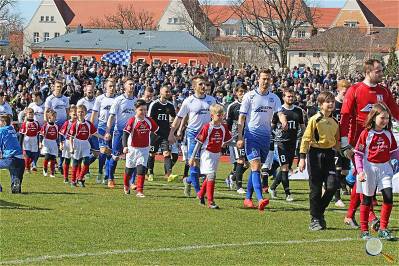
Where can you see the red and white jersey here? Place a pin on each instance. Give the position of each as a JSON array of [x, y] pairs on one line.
[[212, 137], [82, 130], [375, 146], [358, 101], [140, 131], [65, 128], [30, 128], [49, 131]]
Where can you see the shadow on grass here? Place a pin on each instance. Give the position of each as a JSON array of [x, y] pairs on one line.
[[6, 205], [54, 193]]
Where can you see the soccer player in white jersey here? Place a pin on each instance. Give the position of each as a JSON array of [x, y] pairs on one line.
[[196, 107], [60, 104], [256, 112], [88, 101], [100, 113], [121, 111]]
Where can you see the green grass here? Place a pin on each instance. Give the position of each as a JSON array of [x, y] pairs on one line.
[[52, 219]]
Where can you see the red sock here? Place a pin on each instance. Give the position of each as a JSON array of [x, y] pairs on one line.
[[385, 213], [52, 166], [210, 188], [26, 163], [372, 215], [353, 204], [66, 170], [126, 179], [45, 165], [30, 160], [140, 183], [74, 173], [83, 171], [78, 170], [364, 215], [202, 191]]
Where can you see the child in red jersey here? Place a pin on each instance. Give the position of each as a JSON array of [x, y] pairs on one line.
[[138, 129], [79, 146], [64, 145], [48, 146], [29, 138], [210, 139], [374, 150]]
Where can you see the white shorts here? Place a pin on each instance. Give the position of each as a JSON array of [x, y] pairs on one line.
[[209, 162], [49, 147], [269, 160], [137, 156], [378, 175], [184, 152], [30, 144], [66, 151], [81, 149]]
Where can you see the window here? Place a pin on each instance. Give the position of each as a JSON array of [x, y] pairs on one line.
[[301, 66], [316, 54], [75, 58], [331, 55], [47, 18], [243, 30], [229, 31], [35, 37], [170, 20], [140, 60], [172, 61], [316, 66], [56, 34], [192, 62], [301, 34], [351, 24], [52, 18], [46, 36], [156, 61], [271, 32], [175, 20], [41, 18], [302, 54]]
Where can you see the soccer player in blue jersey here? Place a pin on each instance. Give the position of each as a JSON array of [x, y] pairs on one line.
[[257, 109], [121, 111], [100, 113], [196, 107], [11, 156]]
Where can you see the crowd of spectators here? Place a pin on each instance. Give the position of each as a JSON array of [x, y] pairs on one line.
[[22, 76]]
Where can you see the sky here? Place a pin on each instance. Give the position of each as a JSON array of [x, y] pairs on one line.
[[27, 7]]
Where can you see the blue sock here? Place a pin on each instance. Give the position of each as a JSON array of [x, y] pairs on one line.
[[250, 187], [61, 161], [133, 178], [194, 178], [255, 176], [101, 162], [112, 167], [107, 167]]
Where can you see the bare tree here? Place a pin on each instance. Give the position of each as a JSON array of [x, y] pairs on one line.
[[340, 48], [193, 16], [271, 23], [126, 17]]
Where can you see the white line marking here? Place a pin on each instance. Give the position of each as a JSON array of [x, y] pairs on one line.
[[170, 249], [274, 201]]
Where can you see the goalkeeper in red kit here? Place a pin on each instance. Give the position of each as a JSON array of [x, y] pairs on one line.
[[357, 104]]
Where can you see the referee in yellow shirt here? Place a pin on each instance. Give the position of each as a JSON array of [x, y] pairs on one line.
[[319, 139]]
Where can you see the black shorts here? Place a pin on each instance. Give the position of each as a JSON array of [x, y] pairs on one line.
[[159, 142], [341, 162], [239, 153], [286, 152]]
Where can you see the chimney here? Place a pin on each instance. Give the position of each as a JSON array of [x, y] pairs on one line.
[[79, 29], [369, 29]]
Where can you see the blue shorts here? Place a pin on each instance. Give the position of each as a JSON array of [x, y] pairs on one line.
[[94, 145], [191, 142], [257, 149], [103, 142], [117, 142]]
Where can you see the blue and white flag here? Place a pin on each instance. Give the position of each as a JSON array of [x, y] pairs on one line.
[[121, 57]]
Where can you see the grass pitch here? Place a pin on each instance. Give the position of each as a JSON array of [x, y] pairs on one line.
[[51, 223]]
